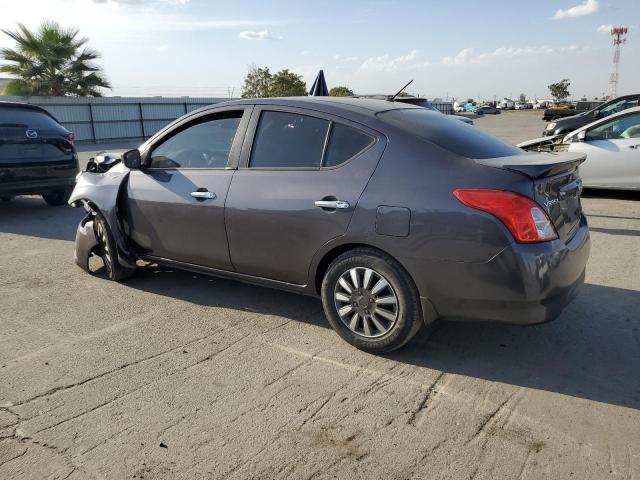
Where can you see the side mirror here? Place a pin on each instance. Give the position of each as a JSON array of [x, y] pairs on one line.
[[132, 159], [581, 136], [597, 114]]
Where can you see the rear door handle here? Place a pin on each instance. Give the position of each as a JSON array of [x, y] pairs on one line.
[[203, 195], [332, 204]]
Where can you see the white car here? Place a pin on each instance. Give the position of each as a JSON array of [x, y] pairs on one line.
[[612, 145]]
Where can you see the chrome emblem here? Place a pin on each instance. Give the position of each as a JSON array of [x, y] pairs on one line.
[[31, 134], [550, 202]]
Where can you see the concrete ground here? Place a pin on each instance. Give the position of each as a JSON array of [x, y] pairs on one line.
[[175, 375]]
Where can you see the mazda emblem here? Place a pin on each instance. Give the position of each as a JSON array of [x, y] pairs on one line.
[[31, 134]]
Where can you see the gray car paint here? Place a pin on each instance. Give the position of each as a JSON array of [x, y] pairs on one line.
[[464, 262]]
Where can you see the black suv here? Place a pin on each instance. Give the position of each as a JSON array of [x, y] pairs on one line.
[[37, 156]]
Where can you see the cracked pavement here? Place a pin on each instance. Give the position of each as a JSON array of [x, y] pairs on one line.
[[243, 382]]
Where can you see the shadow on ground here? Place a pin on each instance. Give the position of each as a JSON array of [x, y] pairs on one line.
[[592, 351], [31, 216]]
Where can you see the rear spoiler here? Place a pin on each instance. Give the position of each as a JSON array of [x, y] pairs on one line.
[[537, 165]]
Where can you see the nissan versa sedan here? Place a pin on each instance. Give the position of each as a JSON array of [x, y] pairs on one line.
[[394, 215], [37, 156]]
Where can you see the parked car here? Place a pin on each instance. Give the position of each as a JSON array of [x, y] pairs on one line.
[[600, 110], [393, 214], [612, 147], [568, 110], [486, 110], [423, 102], [37, 156]]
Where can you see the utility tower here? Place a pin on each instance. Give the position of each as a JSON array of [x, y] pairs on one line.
[[619, 36]]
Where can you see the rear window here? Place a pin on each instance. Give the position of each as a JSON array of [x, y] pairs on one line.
[[25, 117], [449, 134]]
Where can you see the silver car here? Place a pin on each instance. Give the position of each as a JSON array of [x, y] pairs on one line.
[[612, 146]]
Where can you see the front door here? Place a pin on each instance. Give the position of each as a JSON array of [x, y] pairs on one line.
[[175, 206], [301, 176]]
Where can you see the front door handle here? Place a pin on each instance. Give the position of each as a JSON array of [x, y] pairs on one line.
[[203, 195], [332, 204]]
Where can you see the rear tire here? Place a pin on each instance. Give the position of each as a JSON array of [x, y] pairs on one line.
[[369, 317], [107, 249], [57, 197]]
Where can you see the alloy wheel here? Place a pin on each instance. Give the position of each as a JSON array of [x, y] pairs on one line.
[[366, 302]]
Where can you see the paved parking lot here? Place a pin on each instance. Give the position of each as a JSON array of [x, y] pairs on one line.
[[176, 375]]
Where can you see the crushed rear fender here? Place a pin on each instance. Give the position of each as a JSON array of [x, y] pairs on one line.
[[101, 192]]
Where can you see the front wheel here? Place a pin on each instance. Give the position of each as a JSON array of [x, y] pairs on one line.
[[371, 301], [57, 197], [107, 249]]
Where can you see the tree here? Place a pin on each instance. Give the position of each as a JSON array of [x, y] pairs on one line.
[[51, 61], [341, 92], [523, 98], [560, 90], [287, 84], [260, 83], [257, 83]]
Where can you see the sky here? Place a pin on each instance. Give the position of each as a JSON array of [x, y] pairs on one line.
[[451, 49]]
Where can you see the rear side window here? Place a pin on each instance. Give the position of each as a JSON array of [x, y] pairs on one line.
[[344, 143], [288, 140], [27, 118], [449, 134]]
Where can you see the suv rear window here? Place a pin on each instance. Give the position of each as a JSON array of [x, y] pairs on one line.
[[16, 116], [449, 134]]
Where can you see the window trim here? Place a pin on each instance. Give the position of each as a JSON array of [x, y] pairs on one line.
[[252, 129], [203, 117]]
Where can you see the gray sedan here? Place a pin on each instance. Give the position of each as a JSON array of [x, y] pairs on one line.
[[393, 214]]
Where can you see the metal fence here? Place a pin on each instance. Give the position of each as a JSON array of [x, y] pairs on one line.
[[116, 118], [97, 119]]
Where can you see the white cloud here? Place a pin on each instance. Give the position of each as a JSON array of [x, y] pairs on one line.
[[388, 64], [304, 53], [344, 59], [462, 58], [163, 48], [262, 35], [142, 2], [604, 28], [586, 8]]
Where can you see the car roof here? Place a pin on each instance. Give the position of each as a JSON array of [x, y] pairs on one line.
[[365, 107], [26, 106]]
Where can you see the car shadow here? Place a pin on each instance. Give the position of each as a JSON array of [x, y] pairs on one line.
[[31, 216], [592, 351]]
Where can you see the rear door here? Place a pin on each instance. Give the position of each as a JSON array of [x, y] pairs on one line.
[[175, 206], [613, 153], [299, 181]]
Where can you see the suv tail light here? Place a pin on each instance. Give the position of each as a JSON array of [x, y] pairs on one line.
[[524, 218]]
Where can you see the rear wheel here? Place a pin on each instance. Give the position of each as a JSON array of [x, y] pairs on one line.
[[57, 197], [107, 249], [370, 301]]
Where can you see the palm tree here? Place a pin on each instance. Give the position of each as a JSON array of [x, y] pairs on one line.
[[51, 61]]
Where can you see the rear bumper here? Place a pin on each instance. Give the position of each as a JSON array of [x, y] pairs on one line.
[[36, 187], [523, 284]]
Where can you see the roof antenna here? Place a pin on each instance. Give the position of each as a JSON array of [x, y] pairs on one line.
[[400, 91]]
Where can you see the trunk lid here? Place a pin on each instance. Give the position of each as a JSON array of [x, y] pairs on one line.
[[556, 185]]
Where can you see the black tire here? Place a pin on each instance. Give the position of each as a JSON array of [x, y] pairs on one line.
[[407, 309], [57, 197], [107, 249]]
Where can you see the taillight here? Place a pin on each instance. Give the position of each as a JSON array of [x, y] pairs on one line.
[[524, 218], [70, 136]]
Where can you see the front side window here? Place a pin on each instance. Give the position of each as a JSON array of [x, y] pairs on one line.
[[618, 106], [288, 140], [621, 127], [203, 145]]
